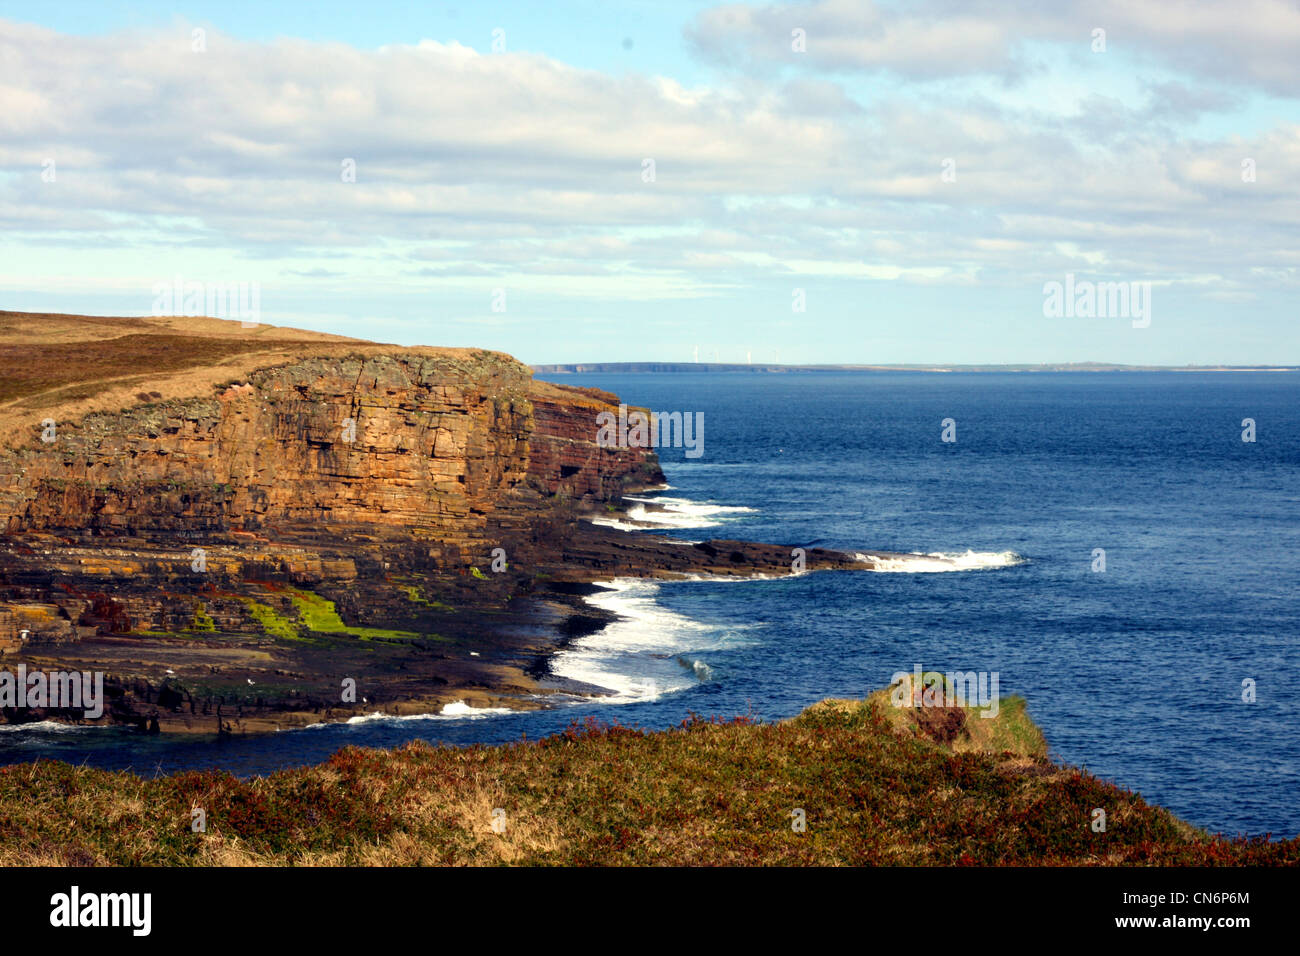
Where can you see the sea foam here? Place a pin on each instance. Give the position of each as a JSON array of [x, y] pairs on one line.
[[636, 656], [938, 561], [675, 513]]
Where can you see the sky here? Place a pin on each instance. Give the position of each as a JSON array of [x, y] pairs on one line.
[[811, 182]]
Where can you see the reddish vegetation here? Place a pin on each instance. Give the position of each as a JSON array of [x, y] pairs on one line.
[[711, 792]]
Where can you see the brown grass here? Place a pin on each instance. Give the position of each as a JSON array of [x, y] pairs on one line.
[[67, 366], [709, 793]]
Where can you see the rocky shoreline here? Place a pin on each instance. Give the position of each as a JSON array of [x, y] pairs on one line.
[[309, 529], [495, 638]]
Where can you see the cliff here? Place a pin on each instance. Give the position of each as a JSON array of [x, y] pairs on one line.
[[232, 523], [428, 441], [168, 479], [428, 446]]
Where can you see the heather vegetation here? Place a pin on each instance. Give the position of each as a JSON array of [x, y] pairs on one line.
[[873, 784]]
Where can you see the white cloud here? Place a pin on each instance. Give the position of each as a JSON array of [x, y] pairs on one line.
[[1252, 42], [472, 166]]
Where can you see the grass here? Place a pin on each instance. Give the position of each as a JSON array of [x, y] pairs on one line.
[[29, 370], [316, 615], [202, 621], [416, 596], [961, 728], [706, 793], [68, 366], [272, 622], [319, 615]]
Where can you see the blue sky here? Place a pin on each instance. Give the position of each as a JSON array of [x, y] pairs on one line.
[[914, 174]]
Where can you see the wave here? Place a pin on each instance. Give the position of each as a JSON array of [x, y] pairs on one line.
[[697, 667], [48, 726], [938, 561], [456, 710], [699, 576], [620, 525], [667, 512], [636, 657]]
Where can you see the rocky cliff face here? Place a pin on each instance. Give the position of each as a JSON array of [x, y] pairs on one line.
[[236, 530], [232, 552], [423, 446]]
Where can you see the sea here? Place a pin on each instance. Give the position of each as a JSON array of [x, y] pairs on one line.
[[1106, 543]]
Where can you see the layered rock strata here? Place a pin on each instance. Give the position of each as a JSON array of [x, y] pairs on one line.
[[232, 549]]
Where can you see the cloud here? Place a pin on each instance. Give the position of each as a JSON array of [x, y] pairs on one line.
[[316, 273], [924, 42], [473, 167], [1250, 42]]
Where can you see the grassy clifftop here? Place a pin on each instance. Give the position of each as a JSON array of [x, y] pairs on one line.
[[873, 784], [68, 366]]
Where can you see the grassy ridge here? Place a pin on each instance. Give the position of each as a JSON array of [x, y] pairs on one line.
[[67, 366], [873, 787]]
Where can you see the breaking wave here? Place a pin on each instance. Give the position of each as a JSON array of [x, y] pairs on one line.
[[937, 561], [47, 726], [456, 710], [697, 667], [667, 512], [647, 652]]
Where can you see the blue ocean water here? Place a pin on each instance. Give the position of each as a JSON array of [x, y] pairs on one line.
[[1135, 672]]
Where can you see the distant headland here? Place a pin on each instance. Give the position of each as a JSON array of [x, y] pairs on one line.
[[624, 368]]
